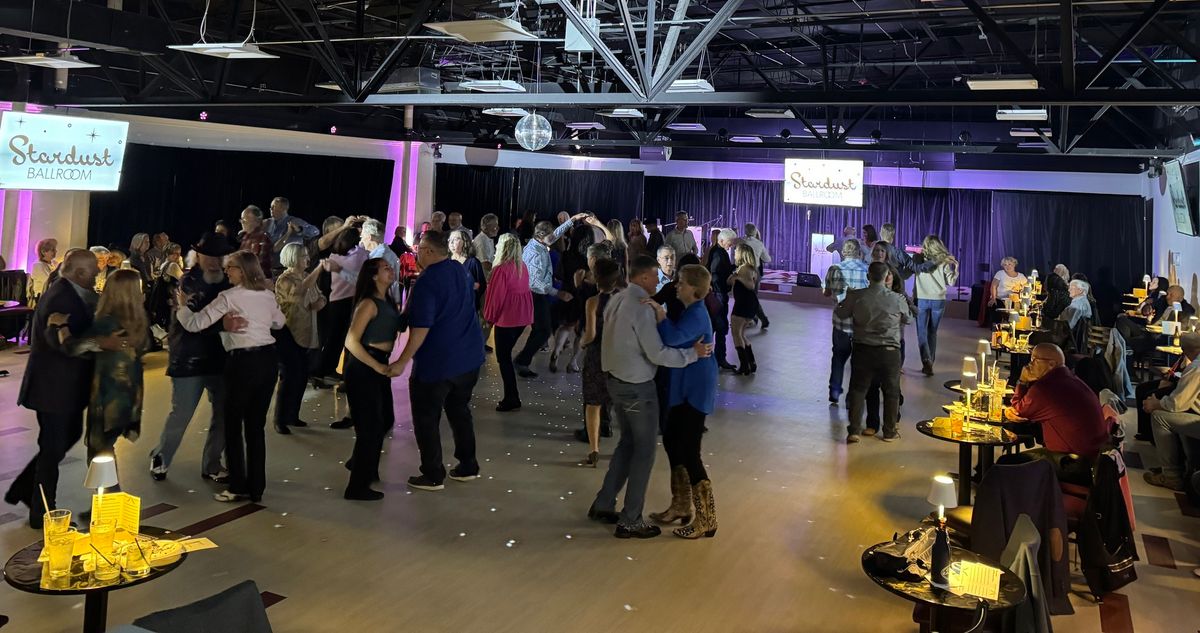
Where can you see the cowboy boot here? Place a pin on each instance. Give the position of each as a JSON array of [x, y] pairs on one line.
[[681, 499], [750, 357], [743, 362], [705, 522]]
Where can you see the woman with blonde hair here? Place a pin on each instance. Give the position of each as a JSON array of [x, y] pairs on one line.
[[930, 288], [745, 305], [508, 306], [47, 251], [115, 408], [620, 249], [299, 300], [250, 369], [637, 240]]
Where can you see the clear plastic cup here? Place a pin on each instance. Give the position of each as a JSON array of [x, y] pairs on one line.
[[102, 536], [55, 522]]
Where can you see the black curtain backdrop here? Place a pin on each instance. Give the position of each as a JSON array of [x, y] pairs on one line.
[[185, 191], [1104, 237], [475, 192], [959, 217], [608, 194]]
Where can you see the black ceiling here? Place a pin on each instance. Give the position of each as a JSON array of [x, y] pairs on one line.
[[1120, 81]]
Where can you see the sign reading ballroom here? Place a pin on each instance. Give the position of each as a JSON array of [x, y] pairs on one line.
[[49, 152], [826, 182]]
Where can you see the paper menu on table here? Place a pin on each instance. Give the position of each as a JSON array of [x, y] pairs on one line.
[[975, 579], [121, 507]]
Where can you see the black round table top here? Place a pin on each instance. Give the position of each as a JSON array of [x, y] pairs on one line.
[[978, 434], [1021, 352], [1011, 594], [24, 572]]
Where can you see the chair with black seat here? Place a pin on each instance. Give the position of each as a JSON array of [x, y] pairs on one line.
[[238, 609], [1006, 492], [14, 286]]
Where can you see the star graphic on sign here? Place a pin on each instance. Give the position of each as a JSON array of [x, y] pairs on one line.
[[93, 135], [21, 121]]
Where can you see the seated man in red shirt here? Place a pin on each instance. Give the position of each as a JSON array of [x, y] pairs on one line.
[[1068, 411]]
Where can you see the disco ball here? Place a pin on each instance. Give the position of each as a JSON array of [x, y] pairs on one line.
[[533, 132]]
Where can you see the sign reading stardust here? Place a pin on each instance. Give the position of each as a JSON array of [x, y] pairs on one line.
[[828, 182], [48, 152]]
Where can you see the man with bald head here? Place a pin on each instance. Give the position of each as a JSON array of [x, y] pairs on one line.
[[1066, 409], [1175, 421], [56, 384]]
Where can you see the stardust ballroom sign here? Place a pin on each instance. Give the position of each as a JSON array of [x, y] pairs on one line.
[[824, 182], [48, 152]]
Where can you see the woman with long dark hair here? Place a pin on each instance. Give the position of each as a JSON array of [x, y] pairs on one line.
[[373, 330], [250, 369], [508, 306]]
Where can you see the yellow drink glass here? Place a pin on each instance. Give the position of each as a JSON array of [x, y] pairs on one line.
[[59, 548], [55, 522], [102, 536]]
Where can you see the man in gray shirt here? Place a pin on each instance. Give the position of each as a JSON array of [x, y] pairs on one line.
[[630, 354], [879, 316]]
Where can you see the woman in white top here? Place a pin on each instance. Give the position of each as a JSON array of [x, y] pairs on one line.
[[931, 297], [172, 266], [47, 250], [1007, 281], [250, 369]]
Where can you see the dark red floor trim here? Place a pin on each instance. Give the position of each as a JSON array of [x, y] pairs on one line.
[[1158, 551], [1133, 459], [156, 510], [271, 599], [1114, 614], [220, 519], [1185, 506]]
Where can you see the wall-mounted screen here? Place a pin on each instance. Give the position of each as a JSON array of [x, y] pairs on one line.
[[50, 152], [825, 182], [1182, 195]]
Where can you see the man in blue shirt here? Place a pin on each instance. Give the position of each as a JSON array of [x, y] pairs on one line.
[[541, 282], [284, 229], [445, 346], [848, 274]]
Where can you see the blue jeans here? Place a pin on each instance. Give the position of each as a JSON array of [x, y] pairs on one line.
[[929, 315], [842, 347], [635, 409], [185, 395]]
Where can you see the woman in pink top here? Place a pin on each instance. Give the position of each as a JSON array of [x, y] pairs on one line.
[[508, 306]]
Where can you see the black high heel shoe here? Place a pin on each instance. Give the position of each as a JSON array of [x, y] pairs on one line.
[[592, 458]]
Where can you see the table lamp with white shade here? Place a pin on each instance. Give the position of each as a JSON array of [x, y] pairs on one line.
[[943, 495], [1146, 284], [983, 348], [101, 474]]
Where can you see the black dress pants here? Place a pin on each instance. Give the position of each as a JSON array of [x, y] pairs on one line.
[[721, 330], [428, 400], [868, 363], [370, 395], [506, 340], [57, 433], [293, 376], [333, 338], [249, 382], [681, 440], [873, 397], [1144, 391], [540, 332]]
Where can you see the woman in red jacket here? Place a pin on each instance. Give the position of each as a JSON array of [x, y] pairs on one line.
[[508, 306]]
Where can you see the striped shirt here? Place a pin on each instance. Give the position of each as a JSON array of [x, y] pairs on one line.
[[848, 274]]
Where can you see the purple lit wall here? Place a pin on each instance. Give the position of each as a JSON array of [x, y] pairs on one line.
[[402, 202], [21, 242]]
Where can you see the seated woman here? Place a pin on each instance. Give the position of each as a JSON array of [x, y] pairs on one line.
[[1058, 297]]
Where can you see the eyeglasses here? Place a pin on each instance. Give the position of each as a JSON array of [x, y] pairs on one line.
[[1041, 358]]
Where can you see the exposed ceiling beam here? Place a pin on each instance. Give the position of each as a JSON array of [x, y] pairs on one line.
[[998, 31], [1125, 40], [599, 46], [415, 22], [694, 48], [331, 65], [808, 146], [1149, 97], [631, 40], [1066, 43]]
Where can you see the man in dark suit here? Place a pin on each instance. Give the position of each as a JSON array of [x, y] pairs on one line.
[[56, 385]]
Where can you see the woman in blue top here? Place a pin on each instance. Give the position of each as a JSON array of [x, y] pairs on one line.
[[692, 396]]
